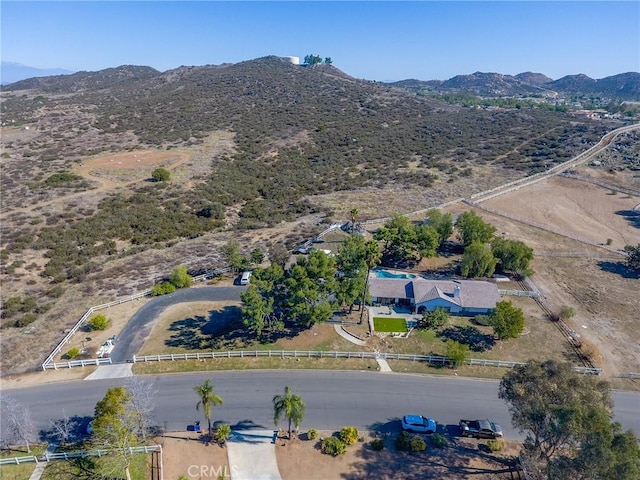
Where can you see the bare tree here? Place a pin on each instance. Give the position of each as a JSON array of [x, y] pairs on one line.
[[141, 403], [17, 424], [63, 428]]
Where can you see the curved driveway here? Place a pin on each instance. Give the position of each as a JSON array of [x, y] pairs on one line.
[[139, 327], [367, 400]]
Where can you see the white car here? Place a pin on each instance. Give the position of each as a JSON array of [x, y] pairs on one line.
[[419, 424]]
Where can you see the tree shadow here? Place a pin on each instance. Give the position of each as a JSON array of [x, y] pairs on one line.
[[618, 268], [631, 216], [204, 332], [468, 335], [76, 430]]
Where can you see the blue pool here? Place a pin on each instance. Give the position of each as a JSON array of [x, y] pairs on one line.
[[385, 274]]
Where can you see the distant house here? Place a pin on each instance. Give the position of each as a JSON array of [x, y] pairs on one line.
[[461, 297]]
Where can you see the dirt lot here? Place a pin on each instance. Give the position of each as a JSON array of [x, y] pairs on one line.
[[578, 208], [302, 460]]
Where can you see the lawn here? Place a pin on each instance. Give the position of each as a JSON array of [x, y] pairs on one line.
[[390, 325], [72, 469], [24, 470]]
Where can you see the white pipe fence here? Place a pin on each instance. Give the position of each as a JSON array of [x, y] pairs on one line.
[[335, 354], [47, 457], [48, 364]]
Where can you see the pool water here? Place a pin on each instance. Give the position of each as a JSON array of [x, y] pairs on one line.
[[385, 274]]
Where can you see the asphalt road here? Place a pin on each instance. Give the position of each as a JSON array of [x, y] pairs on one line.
[[334, 399], [132, 337]]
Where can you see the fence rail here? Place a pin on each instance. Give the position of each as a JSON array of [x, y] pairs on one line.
[[47, 457], [48, 364], [77, 363], [334, 354], [519, 293]]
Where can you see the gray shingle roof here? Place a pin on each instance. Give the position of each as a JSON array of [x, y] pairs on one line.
[[473, 293]]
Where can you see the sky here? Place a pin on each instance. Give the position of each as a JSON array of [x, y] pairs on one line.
[[373, 40]]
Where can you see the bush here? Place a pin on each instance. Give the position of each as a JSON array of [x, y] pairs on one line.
[[495, 445], [439, 440], [163, 288], [403, 441], [349, 435], [73, 353], [99, 322], [180, 277], [161, 174], [312, 434], [333, 446], [377, 444], [223, 432], [26, 319], [417, 444], [484, 320]]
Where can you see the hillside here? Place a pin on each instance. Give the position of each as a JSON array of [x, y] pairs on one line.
[[250, 146], [625, 86]]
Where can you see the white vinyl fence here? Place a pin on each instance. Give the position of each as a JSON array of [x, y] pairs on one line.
[[47, 457], [335, 354]]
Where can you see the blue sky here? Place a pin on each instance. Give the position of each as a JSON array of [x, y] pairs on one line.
[[373, 40]]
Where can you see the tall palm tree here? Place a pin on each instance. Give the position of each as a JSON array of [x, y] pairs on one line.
[[372, 258], [208, 399], [289, 405], [354, 216]]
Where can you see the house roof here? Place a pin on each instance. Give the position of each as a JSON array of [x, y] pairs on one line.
[[472, 293]]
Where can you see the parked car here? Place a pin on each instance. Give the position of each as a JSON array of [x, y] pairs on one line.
[[418, 424], [245, 279], [480, 429]]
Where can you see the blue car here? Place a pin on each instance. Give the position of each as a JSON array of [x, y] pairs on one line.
[[418, 424]]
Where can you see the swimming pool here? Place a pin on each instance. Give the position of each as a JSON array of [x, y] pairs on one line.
[[385, 274]]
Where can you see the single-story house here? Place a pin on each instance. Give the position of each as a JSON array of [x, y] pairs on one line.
[[462, 297]]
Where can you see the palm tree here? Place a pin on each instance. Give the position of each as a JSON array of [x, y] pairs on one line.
[[208, 399], [354, 216], [289, 405], [372, 258]]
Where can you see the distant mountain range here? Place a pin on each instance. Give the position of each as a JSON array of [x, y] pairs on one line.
[[11, 72], [624, 86]]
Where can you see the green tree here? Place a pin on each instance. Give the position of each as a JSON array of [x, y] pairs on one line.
[[115, 426], [633, 257], [162, 288], [328, 61], [257, 256], [567, 420], [427, 241], [256, 310], [472, 228], [290, 406], [352, 270], [161, 174], [457, 353], [442, 223], [312, 59], [232, 256], [507, 320], [477, 261], [513, 255], [435, 319], [310, 287], [208, 400], [399, 238], [180, 277]]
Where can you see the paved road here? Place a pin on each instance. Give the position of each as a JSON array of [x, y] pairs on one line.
[[334, 399], [138, 329]]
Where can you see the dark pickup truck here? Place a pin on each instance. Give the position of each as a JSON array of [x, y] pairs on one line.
[[480, 429]]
